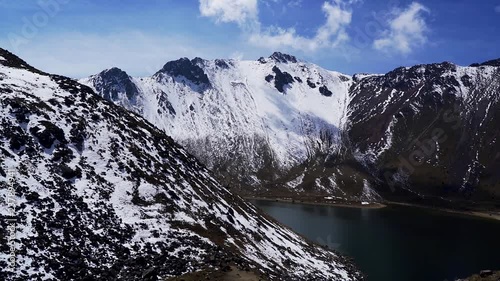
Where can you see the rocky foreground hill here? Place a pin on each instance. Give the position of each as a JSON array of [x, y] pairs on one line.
[[91, 191]]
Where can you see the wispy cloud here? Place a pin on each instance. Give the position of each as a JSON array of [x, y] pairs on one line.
[[497, 9], [238, 11], [329, 35], [407, 30]]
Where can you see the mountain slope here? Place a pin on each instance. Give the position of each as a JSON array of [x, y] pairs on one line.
[[252, 122], [99, 193], [280, 126], [430, 131]]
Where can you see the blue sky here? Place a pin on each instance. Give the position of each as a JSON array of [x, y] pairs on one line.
[[81, 37]]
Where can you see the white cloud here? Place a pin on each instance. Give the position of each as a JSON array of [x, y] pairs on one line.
[[497, 9], [239, 11], [329, 35], [407, 30], [336, 20], [246, 14]]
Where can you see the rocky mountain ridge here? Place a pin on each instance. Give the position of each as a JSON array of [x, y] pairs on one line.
[[280, 126]]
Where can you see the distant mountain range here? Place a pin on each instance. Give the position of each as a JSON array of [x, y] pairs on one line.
[[92, 191], [251, 122], [279, 126]]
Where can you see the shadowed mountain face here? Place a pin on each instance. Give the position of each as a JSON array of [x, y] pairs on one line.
[[99, 193], [115, 84], [430, 130], [118, 78], [281, 126]]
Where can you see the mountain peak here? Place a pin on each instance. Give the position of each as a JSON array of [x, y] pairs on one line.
[[198, 61], [188, 69], [283, 58], [114, 72], [113, 82]]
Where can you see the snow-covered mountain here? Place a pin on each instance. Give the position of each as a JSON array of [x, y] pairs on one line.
[[281, 126], [99, 193], [254, 123], [430, 131]]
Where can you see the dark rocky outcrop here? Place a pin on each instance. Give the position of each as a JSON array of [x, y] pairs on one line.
[[325, 91], [47, 133], [221, 64], [187, 69], [310, 83], [283, 58], [281, 79]]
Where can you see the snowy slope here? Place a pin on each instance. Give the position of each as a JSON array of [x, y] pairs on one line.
[[430, 130], [249, 121], [280, 126], [102, 194]]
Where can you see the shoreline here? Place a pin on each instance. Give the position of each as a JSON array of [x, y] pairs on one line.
[[470, 213], [377, 205], [320, 202]]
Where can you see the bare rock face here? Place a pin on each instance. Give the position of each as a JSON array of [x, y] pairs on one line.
[[283, 58], [188, 70]]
